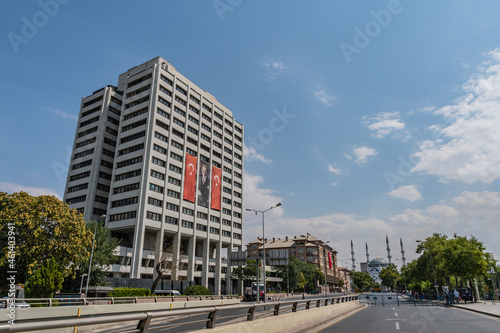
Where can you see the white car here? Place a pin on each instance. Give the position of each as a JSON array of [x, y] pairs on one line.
[[19, 303]]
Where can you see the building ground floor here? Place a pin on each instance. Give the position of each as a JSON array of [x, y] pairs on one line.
[[185, 259]]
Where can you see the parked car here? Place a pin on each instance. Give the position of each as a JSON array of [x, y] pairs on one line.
[[19, 303], [167, 293]]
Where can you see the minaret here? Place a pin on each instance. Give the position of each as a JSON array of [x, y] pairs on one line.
[[353, 260], [402, 252], [388, 249], [367, 254]]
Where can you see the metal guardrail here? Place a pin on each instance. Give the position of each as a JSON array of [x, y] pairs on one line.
[[214, 313], [82, 301]]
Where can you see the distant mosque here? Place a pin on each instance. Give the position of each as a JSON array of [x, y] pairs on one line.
[[375, 266]]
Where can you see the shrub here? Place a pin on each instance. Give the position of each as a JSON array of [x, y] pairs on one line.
[[197, 290], [130, 292]]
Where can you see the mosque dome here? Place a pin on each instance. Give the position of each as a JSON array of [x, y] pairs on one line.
[[378, 262]]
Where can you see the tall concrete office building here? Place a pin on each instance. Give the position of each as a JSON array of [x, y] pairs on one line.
[[163, 160]]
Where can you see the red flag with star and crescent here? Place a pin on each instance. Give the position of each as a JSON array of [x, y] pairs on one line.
[[216, 176], [330, 260], [190, 178]]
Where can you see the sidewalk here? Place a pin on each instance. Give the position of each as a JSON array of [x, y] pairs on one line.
[[487, 308]]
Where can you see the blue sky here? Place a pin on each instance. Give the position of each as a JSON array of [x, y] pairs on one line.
[[364, 118]]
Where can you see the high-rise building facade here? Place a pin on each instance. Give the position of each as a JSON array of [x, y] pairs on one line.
[[163, 160]]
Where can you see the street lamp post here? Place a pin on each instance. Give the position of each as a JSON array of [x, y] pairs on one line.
[[81, 283], [92, 255], [263, 249]]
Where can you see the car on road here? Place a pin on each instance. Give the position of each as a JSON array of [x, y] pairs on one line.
[[167, 293], [19, 303]]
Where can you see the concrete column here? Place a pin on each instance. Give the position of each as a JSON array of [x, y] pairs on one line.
[[218, 268], [175, 256], [158, 250], [206, 256], [137, 250], [192, 258]]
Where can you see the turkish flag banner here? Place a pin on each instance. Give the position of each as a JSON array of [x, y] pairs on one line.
[[330, 260], [190, 178], [216, 177]]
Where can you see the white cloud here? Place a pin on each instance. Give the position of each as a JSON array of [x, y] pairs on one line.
[[259, 199], [466, 148], [250, 154], [470, 213], [362, 154], [409, 193], [273, 69], [384, 124], [34, 191], [334, 170], [323, 97], [63, 114]]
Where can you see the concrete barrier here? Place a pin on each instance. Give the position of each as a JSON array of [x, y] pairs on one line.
[[291, 321], [90, 310]]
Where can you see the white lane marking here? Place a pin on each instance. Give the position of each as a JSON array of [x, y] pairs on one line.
[[397, 325], [396, 314]]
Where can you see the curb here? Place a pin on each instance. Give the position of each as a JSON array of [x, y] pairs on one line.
[[475, 310]]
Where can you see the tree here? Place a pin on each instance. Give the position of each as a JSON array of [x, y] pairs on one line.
[[197, 290], [295, 270], [163, 266], [246, 273], [104, 255], [43, 227], [103, 258], [46, 280], [389, 276], [362, 280]]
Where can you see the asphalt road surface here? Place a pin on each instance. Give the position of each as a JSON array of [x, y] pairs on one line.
[[409, 318]]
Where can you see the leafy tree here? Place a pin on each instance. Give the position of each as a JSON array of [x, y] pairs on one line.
[[362, 280], [44, 227], [46, 280], [197, 290], [389, 276], [246, 273], [103, 257], [295, 270]]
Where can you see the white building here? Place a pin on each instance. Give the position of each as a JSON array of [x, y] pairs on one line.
[[137, 158]]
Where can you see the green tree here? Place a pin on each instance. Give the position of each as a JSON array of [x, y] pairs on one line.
[[389, 276], [246, 273], [104, 254], [46, 281], [43, 227], [197, 290], [362, 280], [295, 270]]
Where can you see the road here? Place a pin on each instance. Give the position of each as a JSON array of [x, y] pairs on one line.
[[408, 318]]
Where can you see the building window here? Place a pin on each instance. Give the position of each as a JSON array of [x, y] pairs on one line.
[[157, 174], [171, 220], [155, 188], [187, 211], [202, 216], [123, 216], [187, 224], [201, 227], [154, 202], [153, 216], [126, 188], [76, 199]]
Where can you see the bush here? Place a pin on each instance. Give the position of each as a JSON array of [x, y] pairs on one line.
[[197, 290], [130, 292]]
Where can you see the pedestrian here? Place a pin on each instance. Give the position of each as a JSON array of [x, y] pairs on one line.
[[456, 295], [447, 297]]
